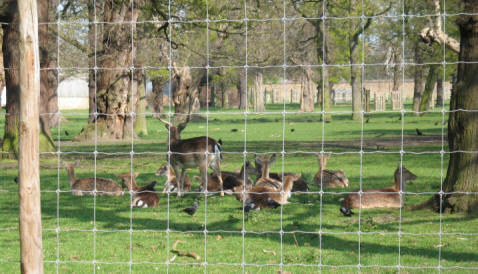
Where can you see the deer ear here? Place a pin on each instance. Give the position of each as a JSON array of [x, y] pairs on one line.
[[328, 155], [136, 174], [182, 126], [273, 158], [77, 163]]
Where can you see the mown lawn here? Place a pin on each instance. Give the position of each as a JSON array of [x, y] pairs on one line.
[[315, 234]]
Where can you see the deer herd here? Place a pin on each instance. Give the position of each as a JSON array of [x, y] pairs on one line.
[[269, 190]]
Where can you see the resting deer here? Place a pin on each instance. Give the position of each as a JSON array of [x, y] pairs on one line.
[[329, 178], [230, 179], [190, 153], [264, 196], [86, 186], [144, 196], [387, 197], [263, 180], [299, 185], [171, 183]]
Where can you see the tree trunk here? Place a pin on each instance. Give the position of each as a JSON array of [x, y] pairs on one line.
[[307, 91], [48, 76], [185, 95], [2, 70], [325, 106], [396, 72], [242, 89], [140, 127], [396, 94], [356, 91], [114, 85], [439, 101], [418, 79], [463, 126], [258, 99], [11, 58], [429, 88], [157, 98], [323, 56], [92, 42]]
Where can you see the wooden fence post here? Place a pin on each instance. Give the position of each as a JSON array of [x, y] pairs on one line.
[[28, 146], [366, 100]]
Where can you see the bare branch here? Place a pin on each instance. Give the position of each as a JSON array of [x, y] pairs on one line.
[[436, 34]]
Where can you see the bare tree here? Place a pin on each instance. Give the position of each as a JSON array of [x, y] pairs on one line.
[[434, 32]]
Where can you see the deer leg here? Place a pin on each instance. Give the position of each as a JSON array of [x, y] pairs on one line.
[[178, 178], [217, 169], [181, 183], [203, 171]]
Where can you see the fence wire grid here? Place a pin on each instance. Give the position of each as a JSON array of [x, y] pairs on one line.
[[243, 264]]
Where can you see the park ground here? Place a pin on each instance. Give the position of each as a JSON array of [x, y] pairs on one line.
[[315, 234]]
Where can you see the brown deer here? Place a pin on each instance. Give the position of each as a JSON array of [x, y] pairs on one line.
[[387, 197], [329, 178], [263, 179], [230, 179], [86, 186], [299, 185], [144, 196], [190, 153], [171, 183], [264, 196]]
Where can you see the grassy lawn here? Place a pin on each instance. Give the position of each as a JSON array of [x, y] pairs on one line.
[[314, 231]]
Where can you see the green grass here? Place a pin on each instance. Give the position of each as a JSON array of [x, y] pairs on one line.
[[76, 246]]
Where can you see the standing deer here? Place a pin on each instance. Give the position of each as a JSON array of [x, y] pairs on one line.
[[387, 197], [191, 153], [330, 178], [171, 183]]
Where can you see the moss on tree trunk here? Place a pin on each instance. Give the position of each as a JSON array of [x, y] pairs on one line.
[[417, 78], [429, 88], [11, 58]]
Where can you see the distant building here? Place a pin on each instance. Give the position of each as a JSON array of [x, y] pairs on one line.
[[73, 93]]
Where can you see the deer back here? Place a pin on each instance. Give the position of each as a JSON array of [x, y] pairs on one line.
[[191, 152], [104, 186]]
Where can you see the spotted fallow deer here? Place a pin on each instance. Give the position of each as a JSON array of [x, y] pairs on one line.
[[387, 197], [327, 177], [191, 153], [90, 186]]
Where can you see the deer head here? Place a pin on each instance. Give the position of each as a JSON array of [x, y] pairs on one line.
[[263, 164], [174, 131], [402, 175], [322, 159]]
